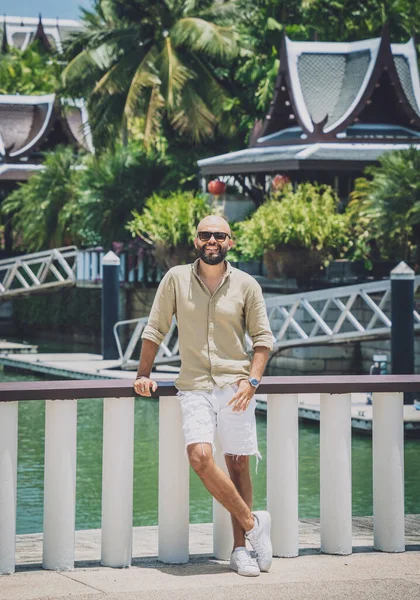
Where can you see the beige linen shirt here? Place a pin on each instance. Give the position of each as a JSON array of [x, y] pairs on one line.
[[211, 328]]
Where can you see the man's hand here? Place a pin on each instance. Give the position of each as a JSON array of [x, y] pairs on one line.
[[243, 396], [142, 386]]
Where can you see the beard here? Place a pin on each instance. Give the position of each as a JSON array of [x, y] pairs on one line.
[[215, 258]]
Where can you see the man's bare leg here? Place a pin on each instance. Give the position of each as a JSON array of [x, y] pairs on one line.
[[219, 484], [238, 467]]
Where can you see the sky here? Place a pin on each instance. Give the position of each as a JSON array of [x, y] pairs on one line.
[[64, 9]]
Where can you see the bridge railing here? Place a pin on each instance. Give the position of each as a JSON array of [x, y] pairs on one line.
[[39, 271], [134, 268], [282, 467]]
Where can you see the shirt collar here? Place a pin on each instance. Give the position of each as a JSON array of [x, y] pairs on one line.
[[196, 263]]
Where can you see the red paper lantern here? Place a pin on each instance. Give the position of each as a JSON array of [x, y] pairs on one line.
[[279, 181], [216, 187]]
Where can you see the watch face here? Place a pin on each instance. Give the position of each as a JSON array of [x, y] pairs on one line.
[[254, 381]]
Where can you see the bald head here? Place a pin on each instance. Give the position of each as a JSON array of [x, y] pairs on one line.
[[214, 223]]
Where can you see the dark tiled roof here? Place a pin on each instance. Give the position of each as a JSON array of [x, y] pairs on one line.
[[404, 75], [25, 122], [292, 158], [331, 82]]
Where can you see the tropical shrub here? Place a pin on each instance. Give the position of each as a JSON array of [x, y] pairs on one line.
[[306, 218], [385, 208], [31, 71], [111, 185], [170, 224], [37, 207]]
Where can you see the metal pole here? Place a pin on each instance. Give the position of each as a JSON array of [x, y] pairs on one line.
[[110, 304], [402, 317]]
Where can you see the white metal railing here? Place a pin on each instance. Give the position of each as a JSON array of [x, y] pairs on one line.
[[168, 350], [132, 269], [282, 468], [46, 270], [347, 313]]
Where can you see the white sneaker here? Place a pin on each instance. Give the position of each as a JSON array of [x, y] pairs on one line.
[[259, 538], [242, 562]]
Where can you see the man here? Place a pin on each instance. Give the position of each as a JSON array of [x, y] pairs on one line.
[[215, 304]]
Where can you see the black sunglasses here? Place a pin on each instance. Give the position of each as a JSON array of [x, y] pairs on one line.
[[219, 236]]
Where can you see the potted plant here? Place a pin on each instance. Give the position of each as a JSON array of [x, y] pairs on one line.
[[169, 223], [296, 232]]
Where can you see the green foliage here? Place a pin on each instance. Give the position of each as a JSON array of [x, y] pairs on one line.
[[306, 218], [385, 208], [170, 220], [29, 72], [37, 207], [154, 60], [85, 200], [110, 186], [261, 24]]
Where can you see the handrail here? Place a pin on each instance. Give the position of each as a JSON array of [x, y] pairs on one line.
[[66, 251], [116, 388], [173, 488]]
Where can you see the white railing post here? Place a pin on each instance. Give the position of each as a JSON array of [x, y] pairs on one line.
[[8, 473], [59, 484], [222, 521], [335, 469], [282, 472], [388, 472], [117, 482], [174, 505]]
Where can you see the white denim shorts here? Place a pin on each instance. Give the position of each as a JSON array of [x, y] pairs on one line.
[[206, 413]]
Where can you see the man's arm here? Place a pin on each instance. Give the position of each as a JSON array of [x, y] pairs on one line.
[[154, 333], [245, 392], [259, 361], [143, 384], [258, 327]]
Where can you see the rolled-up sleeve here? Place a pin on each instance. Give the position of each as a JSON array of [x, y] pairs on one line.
[[256, 319], [163, 309]]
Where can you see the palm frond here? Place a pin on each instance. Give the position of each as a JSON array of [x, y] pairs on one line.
[[120, 75], [152, 119], [193, 117], [173, 74], [144, 77], [199, 35], [219, 11], [88, 62]]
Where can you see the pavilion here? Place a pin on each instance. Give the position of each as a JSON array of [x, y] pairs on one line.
[[337, 106], [21, 32]]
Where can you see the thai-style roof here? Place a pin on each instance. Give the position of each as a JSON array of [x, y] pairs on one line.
[[21, 32], [29, 124], [334, 102], [323, 87]]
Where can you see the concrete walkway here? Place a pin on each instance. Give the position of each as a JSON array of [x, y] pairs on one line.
[[365, 574]]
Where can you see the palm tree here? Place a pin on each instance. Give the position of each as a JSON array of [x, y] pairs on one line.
[[386, 207], [161, 61]]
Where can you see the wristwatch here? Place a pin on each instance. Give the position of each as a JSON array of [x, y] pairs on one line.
[[254, 382]]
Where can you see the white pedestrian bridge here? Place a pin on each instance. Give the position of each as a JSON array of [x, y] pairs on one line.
[[173, 524], [330, 316]]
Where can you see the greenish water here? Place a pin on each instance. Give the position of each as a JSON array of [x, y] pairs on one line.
[[89, 464]]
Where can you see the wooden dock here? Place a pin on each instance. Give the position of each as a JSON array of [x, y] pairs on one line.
[[92, 366]]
